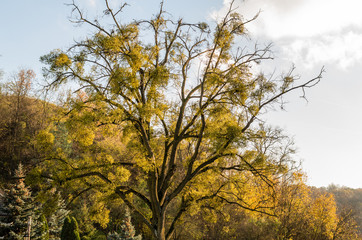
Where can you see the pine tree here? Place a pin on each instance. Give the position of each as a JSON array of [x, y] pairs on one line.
[[18, 210], [70, 229], [42, 232], [127, 230], [56, 220]]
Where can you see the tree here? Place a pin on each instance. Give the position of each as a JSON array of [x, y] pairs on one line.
[[346, 227], [57, 218], [19, 210], [349, 210], [70, 229], [187, 106], [300, 213], [302, 216], [127, 231], [43, 229], [22, 117]]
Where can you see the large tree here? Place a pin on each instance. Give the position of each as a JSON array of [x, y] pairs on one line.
[[185, 102]]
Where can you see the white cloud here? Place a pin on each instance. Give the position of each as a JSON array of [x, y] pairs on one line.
[[302, 18], [342, 49], [311, 31]]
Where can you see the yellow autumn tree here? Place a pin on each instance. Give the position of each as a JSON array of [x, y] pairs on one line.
[[299, 216], [303, 214], [186, 108], [298, 213]]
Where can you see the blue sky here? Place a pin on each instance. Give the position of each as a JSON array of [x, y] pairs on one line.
[[326, 129], [30, 29]]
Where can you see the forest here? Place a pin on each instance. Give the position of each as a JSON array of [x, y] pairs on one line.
[[154, 129]]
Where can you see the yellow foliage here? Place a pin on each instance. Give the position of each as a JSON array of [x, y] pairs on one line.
[[204, 144], [62, 60], [144, 163], [122, 174], [99, 213], [45, 139], [84, 137], [210, 216]]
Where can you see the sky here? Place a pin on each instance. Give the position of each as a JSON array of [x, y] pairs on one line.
[[308, 34]]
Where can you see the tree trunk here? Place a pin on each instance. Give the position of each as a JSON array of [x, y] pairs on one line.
[[161, 231]]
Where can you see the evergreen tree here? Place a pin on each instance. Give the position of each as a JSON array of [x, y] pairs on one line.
[[18, 210], [70, 229], [42, 232], [127, 230], [56, 220]]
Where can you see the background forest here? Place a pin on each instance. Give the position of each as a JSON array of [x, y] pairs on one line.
[[159, 137]]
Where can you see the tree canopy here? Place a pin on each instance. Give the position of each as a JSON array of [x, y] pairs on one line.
[[167, 117]]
